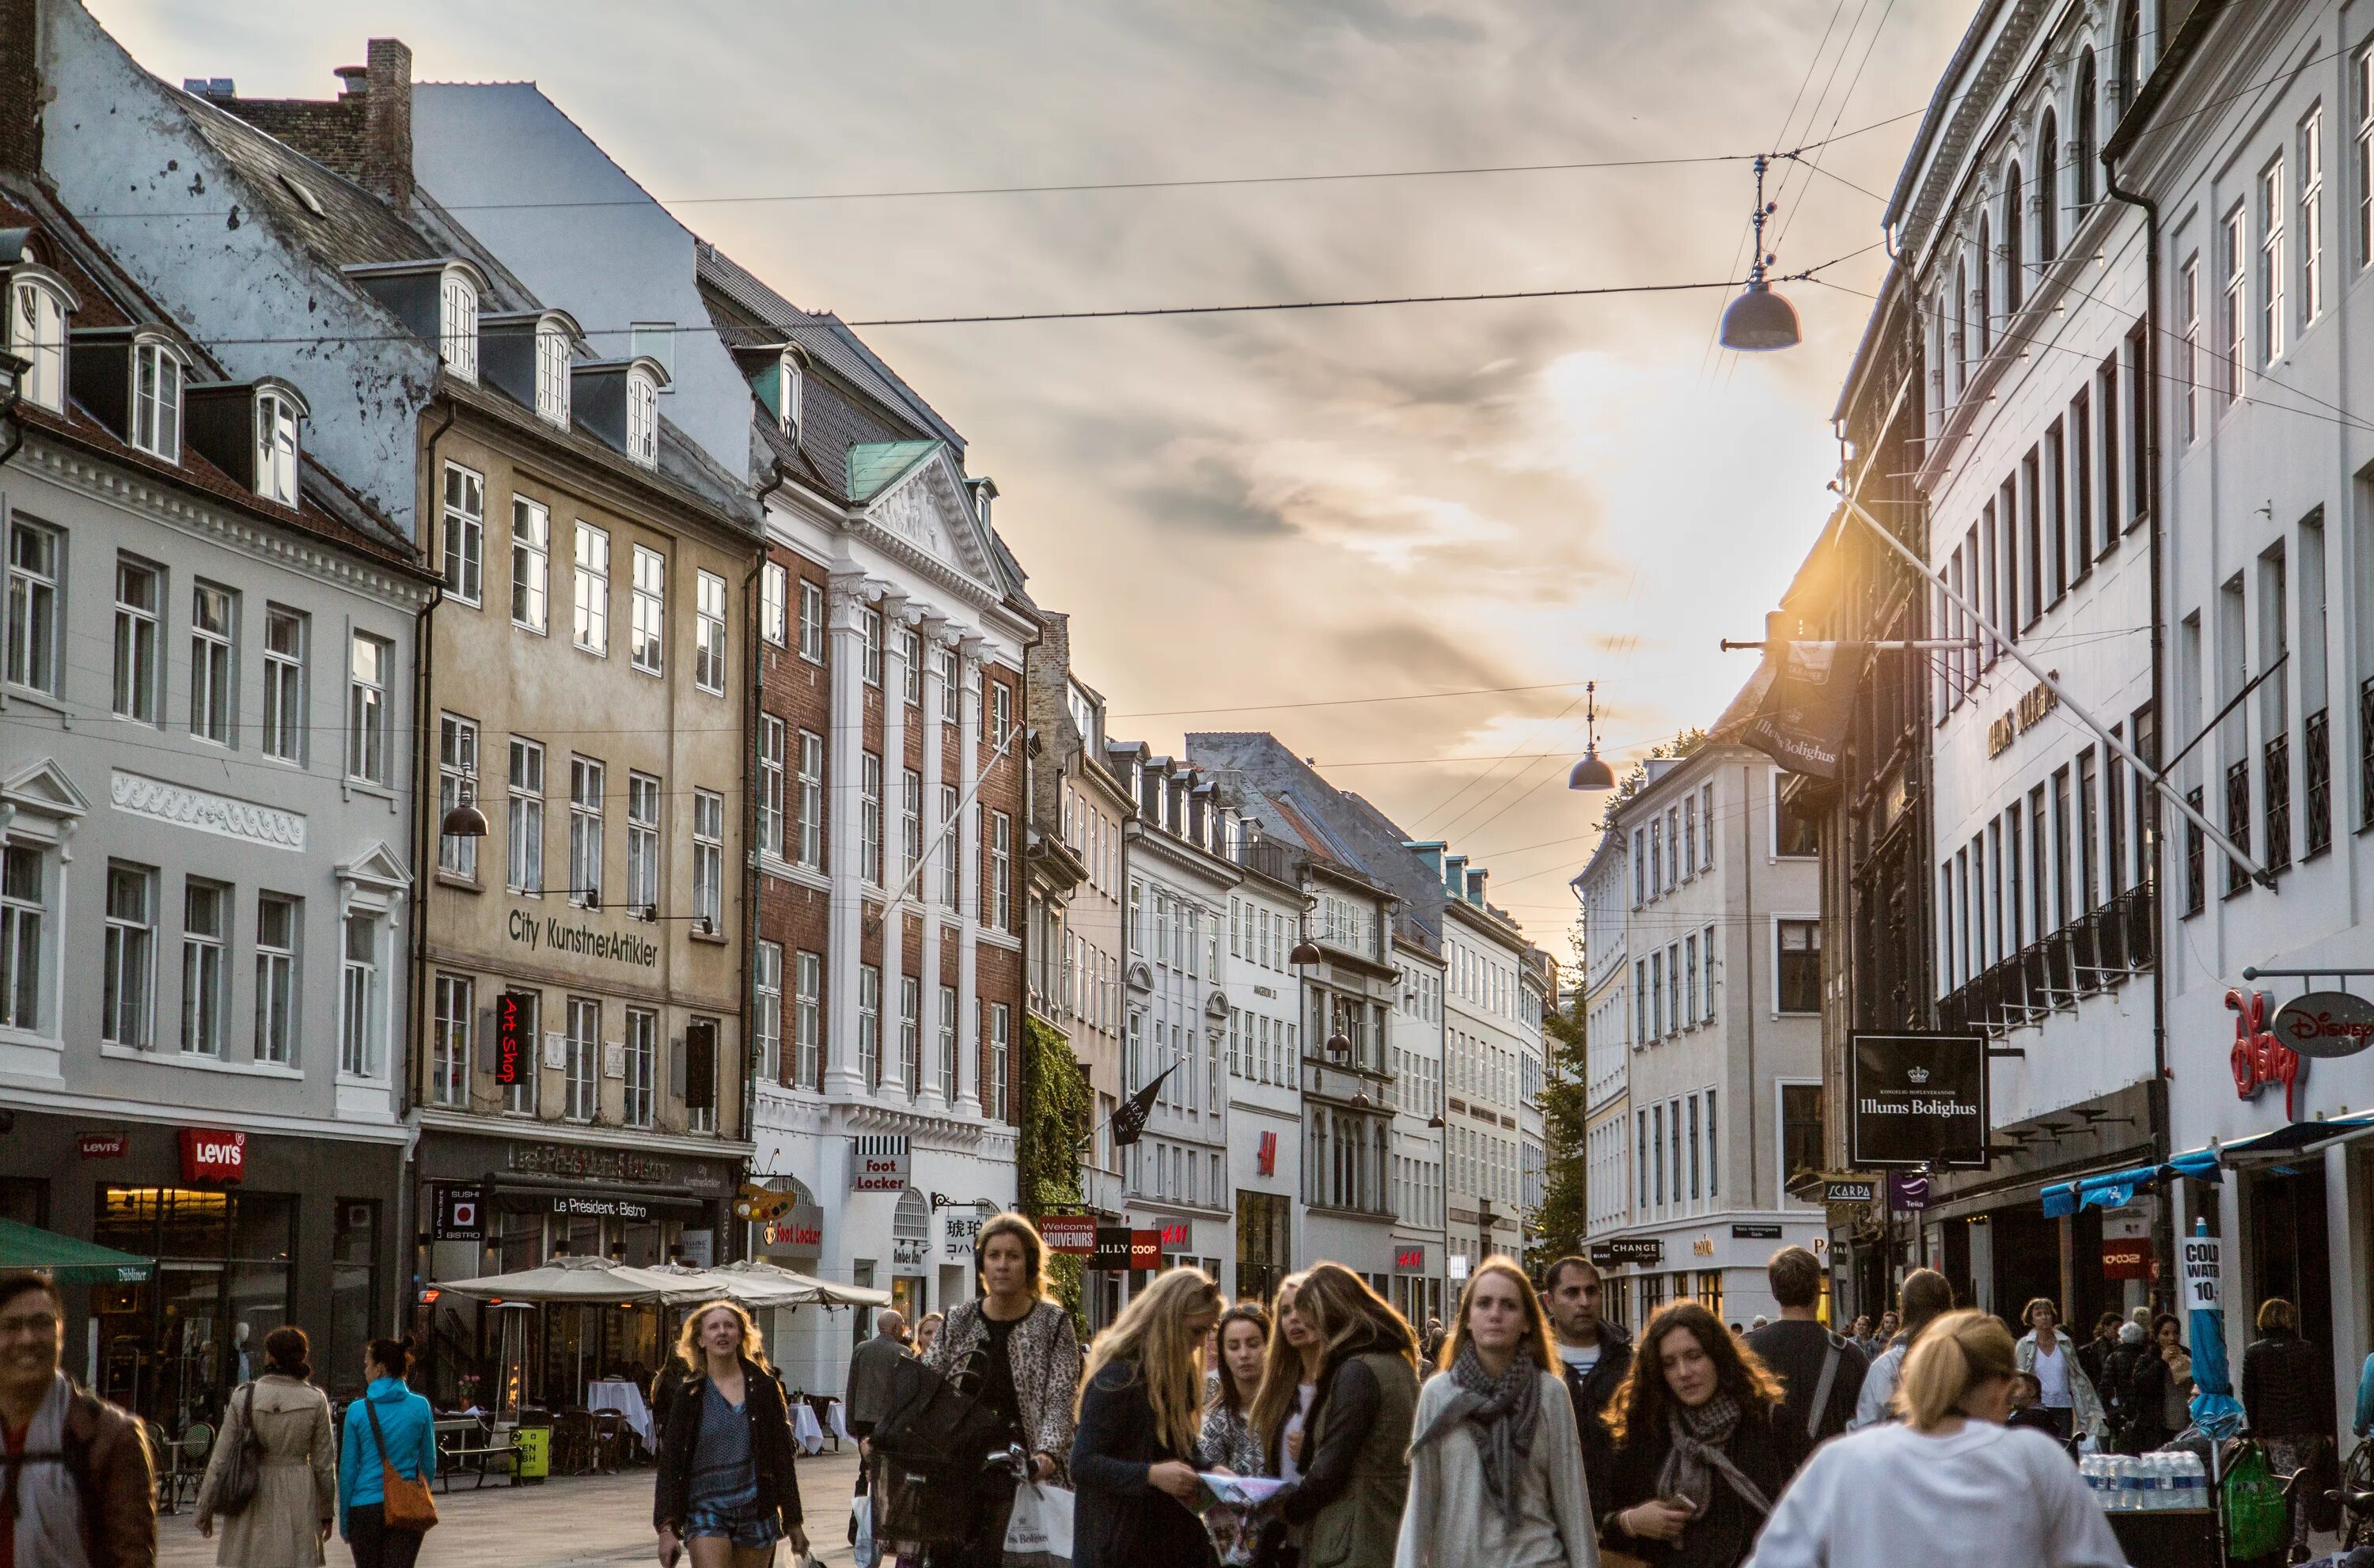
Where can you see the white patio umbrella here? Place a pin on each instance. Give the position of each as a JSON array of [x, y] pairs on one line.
[[574, 1281], [693, 1286], [820, 1293]]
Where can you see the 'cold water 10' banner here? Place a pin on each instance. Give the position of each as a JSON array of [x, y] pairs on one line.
[[1917, 1100]]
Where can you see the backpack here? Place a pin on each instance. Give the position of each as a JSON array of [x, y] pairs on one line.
[[1819, 1409], [928, 1449]]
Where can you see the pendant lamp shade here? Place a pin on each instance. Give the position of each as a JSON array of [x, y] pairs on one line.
[[1759, 320]]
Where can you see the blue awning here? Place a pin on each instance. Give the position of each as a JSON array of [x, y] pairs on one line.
[[2116, 1190], [2294, 1135]]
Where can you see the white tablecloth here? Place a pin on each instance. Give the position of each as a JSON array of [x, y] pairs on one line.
[[805, 1428], [840, 1427], [618, 1394]]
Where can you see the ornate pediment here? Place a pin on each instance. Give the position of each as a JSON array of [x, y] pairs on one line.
[[43, 789], [912, 492], [378, 870]]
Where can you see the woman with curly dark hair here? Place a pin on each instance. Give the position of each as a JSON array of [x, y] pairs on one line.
[[1702, 1450]]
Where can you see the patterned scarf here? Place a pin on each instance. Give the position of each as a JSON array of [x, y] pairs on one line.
[[1503, 1410], [1696, 1456], [42, 1498]]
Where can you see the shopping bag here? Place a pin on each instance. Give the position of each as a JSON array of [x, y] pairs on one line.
[[863, 1550], [1039, 1532], [2257, 1523]]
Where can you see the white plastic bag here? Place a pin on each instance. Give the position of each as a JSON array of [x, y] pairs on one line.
[[863, 1553], [1038, 1533]]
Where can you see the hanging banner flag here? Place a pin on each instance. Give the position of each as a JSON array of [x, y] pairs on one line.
[[1802, 722]]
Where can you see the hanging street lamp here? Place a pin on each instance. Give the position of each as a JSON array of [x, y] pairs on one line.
[[1759, 320]]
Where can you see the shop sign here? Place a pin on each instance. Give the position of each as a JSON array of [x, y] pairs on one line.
[[910, 1250], [1917, 1100], [1908, 1192], [2126, 1258], [879, 1161], [799, 1234], [1112, 1254], [208, 1155], [1146, 1249], [2325, 1024], [1853, 1189], [1174, 1234], [1645, 1252], [1755, 1233], [1072, 1234], [1265, 1155], [2258, 1059], [577, 1205], [1409, 1259], [960, 1231], [2034, 705], [581, 1164], [2198, 1262], [514, 1036], [103, 1146], [1702, 1246], [580, 941], [460, 1215]]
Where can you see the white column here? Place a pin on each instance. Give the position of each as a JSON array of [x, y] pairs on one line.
[[844, 848], [927, 892], [894, 839], [969, 878]]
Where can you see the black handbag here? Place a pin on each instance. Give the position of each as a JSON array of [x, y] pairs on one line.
[[242, 1466], [929, 1448]]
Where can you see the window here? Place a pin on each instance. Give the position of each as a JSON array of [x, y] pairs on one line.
[[775, 607], [521, 1098], [21, 907], [770, 785], [788, 393], [552, 376], [1000, 911], [910, 666], [910, 1033], [910, 824], [457, 325], [642, 846], [37, 333], [869, 815], [531, 562], [525, 824], [157, 401], [949, 661], [584, 832], [138, 599], [811, 802], [275, 447], [130, 955], [2014, 252], [367, 673], [284, 684], [707, 862], [210, 663], [647, 614], [465, 532], [580, 1062], [358, 998], [2188, 369], [2272, 276], [808, 1017], [2082, 145], [1000, 1050], [811, 622], [869, 1025], [709, 633], [945, 845], [638, 1092], [1801, 967], [2237, 309], [2047, 189], [276, 979], [2088, 829], [592, 590], [948, 1044], [2366, 157], [448, 1056], [1001, 712], [2311, 218], [458, 785], [34, 625], [642, 418], [1801, 1128]]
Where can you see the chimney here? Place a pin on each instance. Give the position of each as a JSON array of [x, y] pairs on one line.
[[22, 95], [387, 118]]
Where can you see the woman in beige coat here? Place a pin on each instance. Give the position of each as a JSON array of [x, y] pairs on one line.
[[297, 1485]]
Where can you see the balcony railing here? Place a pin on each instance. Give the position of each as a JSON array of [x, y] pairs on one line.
[[2096, 952], [2317, 736], [2275, 773], [2237, 823], [2196, 861]]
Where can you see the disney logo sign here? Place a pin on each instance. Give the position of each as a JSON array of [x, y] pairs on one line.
[[2325, 1024], [2258, 1059]]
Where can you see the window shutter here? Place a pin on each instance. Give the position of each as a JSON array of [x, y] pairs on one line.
[[700, 1067]]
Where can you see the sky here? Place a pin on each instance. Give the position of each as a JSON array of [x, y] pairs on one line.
[[1269, 520]]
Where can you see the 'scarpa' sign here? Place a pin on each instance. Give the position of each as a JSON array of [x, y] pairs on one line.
[[2198, 1263], [1917, 1100]]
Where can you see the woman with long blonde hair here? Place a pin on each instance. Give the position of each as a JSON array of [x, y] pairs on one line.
[[1351, 1455], [725, 1490], [1139, 1414], [1949, 1484]]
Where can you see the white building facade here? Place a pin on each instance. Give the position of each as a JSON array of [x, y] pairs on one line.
[[1264, 1033]]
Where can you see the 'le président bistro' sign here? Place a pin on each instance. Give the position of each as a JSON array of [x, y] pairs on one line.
[[1917, 1100]]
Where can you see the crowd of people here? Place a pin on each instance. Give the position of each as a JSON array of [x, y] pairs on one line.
[[1316, 1430]]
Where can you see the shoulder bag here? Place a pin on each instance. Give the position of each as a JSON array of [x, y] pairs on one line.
[[407, 1506], [243, 1464]]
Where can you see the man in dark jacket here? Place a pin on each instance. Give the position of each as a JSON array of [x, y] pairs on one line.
[[1821, 1373], [84, 1473], [1593, 1357], [869, 1374]]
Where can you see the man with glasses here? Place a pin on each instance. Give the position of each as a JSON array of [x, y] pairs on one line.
[[80, 1493]]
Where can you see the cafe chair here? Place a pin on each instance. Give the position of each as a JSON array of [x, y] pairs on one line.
[[573, 1443], [609, 1441]]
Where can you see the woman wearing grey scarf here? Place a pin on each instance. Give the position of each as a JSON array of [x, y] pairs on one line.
[[1495, 1467], [1702, 1453]]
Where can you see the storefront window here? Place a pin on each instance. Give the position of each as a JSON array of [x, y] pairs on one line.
[[354, 1282], [173, 1349]]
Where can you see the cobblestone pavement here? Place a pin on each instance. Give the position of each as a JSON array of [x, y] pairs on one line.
[[566, 1523]]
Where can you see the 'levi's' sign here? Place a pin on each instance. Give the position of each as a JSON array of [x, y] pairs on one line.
[[213, 1156]]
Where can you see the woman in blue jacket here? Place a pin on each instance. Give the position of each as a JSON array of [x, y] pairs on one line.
[[411, 1432]]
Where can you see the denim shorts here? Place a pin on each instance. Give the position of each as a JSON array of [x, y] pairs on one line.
[[746, 1526]]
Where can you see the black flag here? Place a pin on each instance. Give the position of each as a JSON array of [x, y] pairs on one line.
[[1129, 1121], [1802, 722]]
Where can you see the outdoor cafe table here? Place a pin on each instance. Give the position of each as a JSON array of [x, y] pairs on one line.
[[618, 1394], [805, 1428]]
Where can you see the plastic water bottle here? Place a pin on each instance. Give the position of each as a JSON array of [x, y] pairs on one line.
[[2122, 1483], [2192, 1481]]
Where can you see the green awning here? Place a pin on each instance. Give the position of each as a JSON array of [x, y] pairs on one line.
[[66, 1259]]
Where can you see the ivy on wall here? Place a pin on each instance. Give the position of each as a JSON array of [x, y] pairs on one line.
[[1056, 1108], [1560, 1226]]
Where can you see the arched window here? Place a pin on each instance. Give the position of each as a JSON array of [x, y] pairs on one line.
[[2131, 54], [1961, 325], [788, 388], [2014, 261], [1982, 301], [2047, 189], [2086, 146], [37, 334], [642, 418]]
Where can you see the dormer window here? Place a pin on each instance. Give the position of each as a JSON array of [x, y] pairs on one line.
[[275, 447], [787, 393], [552, 375], [642, 418], [37, 333], [156, 399], [457, 323]]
